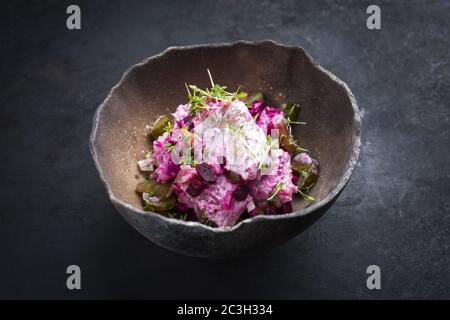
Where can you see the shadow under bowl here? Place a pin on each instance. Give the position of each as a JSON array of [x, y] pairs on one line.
[[156, 86]]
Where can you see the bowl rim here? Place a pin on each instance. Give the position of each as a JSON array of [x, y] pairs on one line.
[[354, 148]]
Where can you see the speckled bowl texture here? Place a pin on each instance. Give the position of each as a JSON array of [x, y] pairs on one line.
[[156, 86]]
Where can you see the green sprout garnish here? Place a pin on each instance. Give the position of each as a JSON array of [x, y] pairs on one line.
[[168, 127], [169, 146], [304, 191], [278, 188], [306, 196], [198, 97], [289, 122], [269, 140]]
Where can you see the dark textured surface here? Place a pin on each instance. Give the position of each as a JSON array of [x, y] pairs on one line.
[[394, 211]]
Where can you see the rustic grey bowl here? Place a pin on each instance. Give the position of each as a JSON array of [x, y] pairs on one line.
[[157, 86]]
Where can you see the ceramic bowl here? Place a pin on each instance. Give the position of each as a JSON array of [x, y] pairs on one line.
[[156, 86]]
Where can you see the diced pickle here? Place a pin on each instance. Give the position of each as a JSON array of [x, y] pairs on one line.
[[160, 190], [301, 162], [309, 176], [256, 96], [288, 143], [153, 203], [291, 110], [143, 187], [159, 126]]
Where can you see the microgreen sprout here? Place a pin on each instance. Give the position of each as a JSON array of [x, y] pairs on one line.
[[289, 122], [169, 146], [278, 188], [198, 98], [168, 127], [306, 196], [304, 191]]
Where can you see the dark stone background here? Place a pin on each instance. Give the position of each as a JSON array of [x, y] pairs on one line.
[[54, 211]]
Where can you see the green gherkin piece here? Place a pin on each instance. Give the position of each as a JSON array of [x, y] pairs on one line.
[[155, 204], [160, 190], [288, 143], [159, 126], [301, 162], [308, 176]]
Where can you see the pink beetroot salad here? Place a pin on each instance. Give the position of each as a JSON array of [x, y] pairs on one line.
[[223, 157]]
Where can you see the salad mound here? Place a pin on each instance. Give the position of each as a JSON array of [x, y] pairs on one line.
[[225, 156]]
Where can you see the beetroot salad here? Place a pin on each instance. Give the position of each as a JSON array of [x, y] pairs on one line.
[[223, 157]]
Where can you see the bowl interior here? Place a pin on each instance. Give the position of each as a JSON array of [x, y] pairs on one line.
[[157, 86]]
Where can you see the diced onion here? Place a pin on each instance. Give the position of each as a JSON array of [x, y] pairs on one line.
[[145, 165], [148, 198]]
